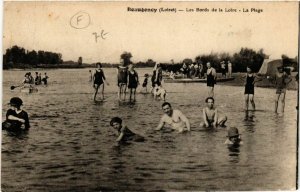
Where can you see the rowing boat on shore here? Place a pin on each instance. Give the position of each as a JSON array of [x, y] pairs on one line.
[[187, 80]]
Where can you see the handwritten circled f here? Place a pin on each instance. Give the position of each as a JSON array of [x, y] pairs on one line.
[[80, 20]]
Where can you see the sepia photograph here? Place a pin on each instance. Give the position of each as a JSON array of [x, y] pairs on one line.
[[149, 96]]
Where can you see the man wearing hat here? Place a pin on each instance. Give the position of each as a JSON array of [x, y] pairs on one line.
[[16, 118], [233, 137]]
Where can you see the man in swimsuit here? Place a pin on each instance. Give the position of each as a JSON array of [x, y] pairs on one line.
[[281, 80], [211, 76], [174, 118], [122, 80], [98, 80], [210, 115], [251, 79]]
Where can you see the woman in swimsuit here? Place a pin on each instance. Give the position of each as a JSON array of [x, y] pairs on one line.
[[98, 80], [251, 79], [133, 81]]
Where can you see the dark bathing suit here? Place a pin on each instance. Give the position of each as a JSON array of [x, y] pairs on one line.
[[132, 80], [249, 87], [210, 80], [129, 135], [98, 77], [145, 82], [122, 76], [159, 78], [16, 125]]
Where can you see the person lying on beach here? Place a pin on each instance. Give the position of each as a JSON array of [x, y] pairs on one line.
[[159, 92], [175, 119], [125, 134], [233, 137], [210, 115], [16, 118]]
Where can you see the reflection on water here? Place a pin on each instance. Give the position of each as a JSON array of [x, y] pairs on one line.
[[70, 146]]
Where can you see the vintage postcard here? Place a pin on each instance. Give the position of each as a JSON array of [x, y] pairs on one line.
[[149, 96]]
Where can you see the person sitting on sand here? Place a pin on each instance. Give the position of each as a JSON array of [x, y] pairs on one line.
[[125, 134], [281, 80], [98, 80], [159, 92], [233, 137], [122, 80], [210, 115], [175, 119], [16, 118]]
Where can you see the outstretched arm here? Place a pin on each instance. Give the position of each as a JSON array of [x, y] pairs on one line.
[[120, 137], [215, 119], [186, 121], [205, 118], [160, 125], [257, 79]]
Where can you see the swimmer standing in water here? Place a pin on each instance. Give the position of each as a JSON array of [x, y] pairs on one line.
[[122, 80], [16, 118], [174, 118], [211, 76], [281, 80], [210, 115], [251, 79], [133, 82], [98, 80]]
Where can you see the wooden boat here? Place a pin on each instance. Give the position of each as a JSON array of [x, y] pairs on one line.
[[187, 80], [29, 90]]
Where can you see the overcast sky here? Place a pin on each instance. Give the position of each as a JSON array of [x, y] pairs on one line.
[[52, 26]]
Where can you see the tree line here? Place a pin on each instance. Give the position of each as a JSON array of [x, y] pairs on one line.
[[16, 56], [246, 57]]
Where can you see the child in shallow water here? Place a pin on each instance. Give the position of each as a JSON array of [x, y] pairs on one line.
[[233, 137], [125, 134]]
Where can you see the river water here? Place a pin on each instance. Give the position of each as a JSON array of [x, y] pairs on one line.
[[70, 146]]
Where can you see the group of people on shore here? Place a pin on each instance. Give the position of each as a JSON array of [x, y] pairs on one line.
[[199, 70]]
